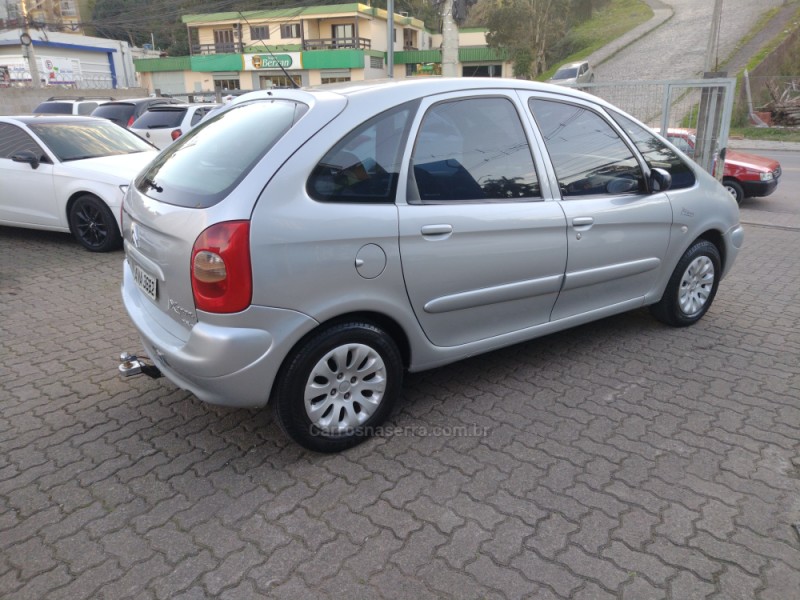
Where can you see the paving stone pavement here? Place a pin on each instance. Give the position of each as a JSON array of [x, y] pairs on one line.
[[622, 459]]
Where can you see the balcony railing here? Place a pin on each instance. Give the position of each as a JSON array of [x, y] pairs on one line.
[[219, 48], [335, 43]]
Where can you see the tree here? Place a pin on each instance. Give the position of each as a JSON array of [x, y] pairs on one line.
[[526, 29]]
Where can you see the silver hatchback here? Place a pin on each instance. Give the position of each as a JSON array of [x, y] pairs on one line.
[[306, 247]]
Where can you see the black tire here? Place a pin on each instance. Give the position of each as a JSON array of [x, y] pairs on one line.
[[690, 282], [735, 189], [93, 225], [354, 416]]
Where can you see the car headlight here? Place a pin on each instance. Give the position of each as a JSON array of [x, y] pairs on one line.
[[768, 176]]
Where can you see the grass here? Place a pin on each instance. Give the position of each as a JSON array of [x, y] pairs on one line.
[[606, 25], [777, 134]]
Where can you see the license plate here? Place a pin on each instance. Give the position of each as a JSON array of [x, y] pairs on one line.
[[145, 282]]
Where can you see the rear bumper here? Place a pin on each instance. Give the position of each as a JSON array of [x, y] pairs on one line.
[[757, 189], [232, 362]]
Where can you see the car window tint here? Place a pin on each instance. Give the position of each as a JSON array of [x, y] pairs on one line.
[[198, 114], [77, 140], [472, 150], [657, 154], [160, 119], [116, 112], [54, 108], [682, 144], [86, 108], [14, 140], [201, 167], [589, 157], [364, 165]]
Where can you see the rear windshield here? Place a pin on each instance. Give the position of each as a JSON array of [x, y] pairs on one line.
[[88, 139], [54, 108], [160, 119], [203, 166], [115, 112]]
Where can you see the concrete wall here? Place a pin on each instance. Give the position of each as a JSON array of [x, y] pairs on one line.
[[19, 101]]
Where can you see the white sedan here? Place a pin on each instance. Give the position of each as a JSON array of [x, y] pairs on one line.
[[66, 173]]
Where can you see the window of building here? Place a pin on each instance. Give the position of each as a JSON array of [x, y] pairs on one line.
[[471, 150], [343, 36], [589, 157], [290, 30], [334, 79], [375, 62], [223, 41], [225, 85], [266, 82], [364, 166], [68, 8], [482, 71], [259, 32], [657, 154]]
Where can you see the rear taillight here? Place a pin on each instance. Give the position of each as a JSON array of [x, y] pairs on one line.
[[130, 121], [221, 276], [176, 133]]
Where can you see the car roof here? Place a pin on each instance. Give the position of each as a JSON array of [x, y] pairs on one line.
[[180, 106], [45, 118], [573, 65], [141, 100]]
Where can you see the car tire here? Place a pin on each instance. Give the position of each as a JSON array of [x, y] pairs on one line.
[[734, 189], [338, 386], [93, 224], [692, 286]]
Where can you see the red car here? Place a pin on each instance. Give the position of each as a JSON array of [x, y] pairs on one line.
[[745, 175]]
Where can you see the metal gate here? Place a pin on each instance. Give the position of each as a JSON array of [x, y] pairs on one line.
[[702, 105]]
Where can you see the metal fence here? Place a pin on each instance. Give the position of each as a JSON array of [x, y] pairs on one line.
[[57, 81]]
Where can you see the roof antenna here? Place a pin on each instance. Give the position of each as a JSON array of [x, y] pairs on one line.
[[277, 62]]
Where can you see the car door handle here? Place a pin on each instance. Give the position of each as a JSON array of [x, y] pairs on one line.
[[437, 231], [582, 222]]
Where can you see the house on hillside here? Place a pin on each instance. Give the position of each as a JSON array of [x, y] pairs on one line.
[[312, 45]]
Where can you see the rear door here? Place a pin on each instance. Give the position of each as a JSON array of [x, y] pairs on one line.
[[617, 232], [483, 248]]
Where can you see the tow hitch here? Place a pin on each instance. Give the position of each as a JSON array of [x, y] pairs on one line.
[[131, 365]]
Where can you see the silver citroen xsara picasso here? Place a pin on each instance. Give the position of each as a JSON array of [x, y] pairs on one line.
[[306, 247]]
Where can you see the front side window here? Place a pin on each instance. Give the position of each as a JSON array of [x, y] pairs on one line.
[[657, 154], [589, 158], [364, 166], [14, 140], [472, 150]]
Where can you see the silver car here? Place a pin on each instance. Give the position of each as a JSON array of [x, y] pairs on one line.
[[306, 247], [573, 73]]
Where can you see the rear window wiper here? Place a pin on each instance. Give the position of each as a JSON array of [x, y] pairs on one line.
[[150, 184]]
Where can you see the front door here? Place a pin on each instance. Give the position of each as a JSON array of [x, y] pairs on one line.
[[483, 251], [617, 232]]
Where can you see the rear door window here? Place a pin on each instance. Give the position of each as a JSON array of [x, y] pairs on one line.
[[203, 166]]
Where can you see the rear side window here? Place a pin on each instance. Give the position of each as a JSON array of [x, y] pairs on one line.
[[365, 164], [86, 108], [473, 149], [54, 108], [160, 119], [204, 165], [657, 154]]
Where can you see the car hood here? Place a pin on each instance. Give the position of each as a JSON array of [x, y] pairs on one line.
[[119, 169], [750, 161]]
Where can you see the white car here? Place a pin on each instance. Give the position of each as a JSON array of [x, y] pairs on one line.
[[68, 173], [163, 124], [83, 105]]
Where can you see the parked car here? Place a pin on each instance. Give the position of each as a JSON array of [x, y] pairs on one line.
[[125, 112], [379, 228], [745, 175], [83, 105], [573, 73], [164, 123], [68, 173]]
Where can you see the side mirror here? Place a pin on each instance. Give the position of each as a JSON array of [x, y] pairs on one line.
[[26, 156], [660, 180]]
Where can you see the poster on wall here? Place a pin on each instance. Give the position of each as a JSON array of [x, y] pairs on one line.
[[52, 70], [5, 76]]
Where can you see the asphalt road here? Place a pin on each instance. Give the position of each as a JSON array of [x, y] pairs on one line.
[[784, 199]]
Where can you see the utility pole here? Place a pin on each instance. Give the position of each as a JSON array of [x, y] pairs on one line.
[[712, 49], [390, 38], [27, 41], [707, 153], [449, 41]]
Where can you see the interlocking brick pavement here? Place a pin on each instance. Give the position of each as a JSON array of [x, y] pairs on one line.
[[622, 459]]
